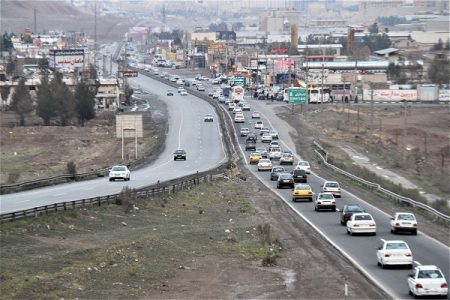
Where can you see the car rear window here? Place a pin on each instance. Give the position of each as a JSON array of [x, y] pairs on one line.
[[326, 196], [406, 217], [354, 209], [303, 188], [363, 218], [429, 274], [396, 246], [332, 184], [118, 169], [285, 176]]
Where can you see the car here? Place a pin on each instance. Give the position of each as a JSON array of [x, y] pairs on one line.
[[274, 134], [173, 79], [200, 88], [287, 159], [332, 187], [274, 152], [244, 131], [183, 93], [266, 138], [265, 165], [231, 106], [169, 93], [394, 253], [208, 118], [325, 201], [237, 109], [252, 137], [361, 223], [264, 130], [427, 280], [348, 210], [186, 83], [222, 99], [246, 107], [179, 154], [259, 125], [256, 115], [239, 118], [275, 172], [180, 81], [403, 222], [210, 93], [254, 157], [302, 191], [299, 176], [304, 165], [180, 89], [274, 144], [250, 145], [119, 172], [263, 152], [285, 179], [216, 95]]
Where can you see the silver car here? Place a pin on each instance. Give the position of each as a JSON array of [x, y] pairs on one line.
[[119, 172]]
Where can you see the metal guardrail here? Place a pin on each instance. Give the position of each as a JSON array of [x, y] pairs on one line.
[[169, 187], [322, 153]]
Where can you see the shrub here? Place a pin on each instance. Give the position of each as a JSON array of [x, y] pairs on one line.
[[13, 176], [71, 169], [126, 198]]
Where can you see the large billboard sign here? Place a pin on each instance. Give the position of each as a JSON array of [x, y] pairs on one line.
[[66, 58]]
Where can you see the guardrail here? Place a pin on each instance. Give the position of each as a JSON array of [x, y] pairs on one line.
[[322, 153], [165, 188], [7, 188]]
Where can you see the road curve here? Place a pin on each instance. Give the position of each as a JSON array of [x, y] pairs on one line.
[[202, 142]]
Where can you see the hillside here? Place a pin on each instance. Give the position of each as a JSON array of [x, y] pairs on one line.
[[57, 15]]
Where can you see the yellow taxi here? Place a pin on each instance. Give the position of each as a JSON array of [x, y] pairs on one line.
[[255, 157], [302, 191]]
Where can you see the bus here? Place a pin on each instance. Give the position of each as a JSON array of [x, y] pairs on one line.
[[237, 93], [317, 95]]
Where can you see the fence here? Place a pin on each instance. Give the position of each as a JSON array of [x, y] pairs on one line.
[[320, 151], [169, 187]]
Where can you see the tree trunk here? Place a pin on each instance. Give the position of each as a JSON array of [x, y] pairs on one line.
[[22, 120]]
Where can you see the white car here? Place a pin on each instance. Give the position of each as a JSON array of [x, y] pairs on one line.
[[403, 222], [266, 138], [274, 144], [361, 223], [237, 109], [275, 152], [303, 165], [264, 165], [259, 125], [256, 115], [119, 172], [274, 134], [287, 158], [264, 130], [239, 118], [325, 201], [246, 107], [244, 131], [427, 281], [200, 88], [332, 187], [394, 253], [183, 93], [231, 106]]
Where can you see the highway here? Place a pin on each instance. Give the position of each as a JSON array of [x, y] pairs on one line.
[[187, 130], [360, 249]]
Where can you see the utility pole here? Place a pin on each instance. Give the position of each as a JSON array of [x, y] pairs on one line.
[[35, 27], [95, 36], [405, 122], [357, 121]]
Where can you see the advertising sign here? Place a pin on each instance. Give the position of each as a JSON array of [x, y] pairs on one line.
[[297, 96], [129, 73], [391, 95], [66, 58], [138, 30], [239, 81]]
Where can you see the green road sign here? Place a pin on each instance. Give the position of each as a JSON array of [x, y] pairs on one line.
[[297, 96]]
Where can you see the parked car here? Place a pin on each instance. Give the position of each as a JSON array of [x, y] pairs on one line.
[[299, 176], [288, 159], [285, 179], [332, 187], [325, 201], [179, 154], [427, 281], [348, 210], [303, 165], [208, 118], [361, 223], [119, 172], [275, 172], [404, 222], [394, 253], [302, 191], [265, 165]]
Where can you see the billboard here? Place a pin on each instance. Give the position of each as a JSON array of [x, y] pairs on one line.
[[66, 58], [391, 95], [138, 30]]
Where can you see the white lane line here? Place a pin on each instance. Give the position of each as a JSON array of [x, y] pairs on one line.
[[179, 130], [353, 195], [23, 201]]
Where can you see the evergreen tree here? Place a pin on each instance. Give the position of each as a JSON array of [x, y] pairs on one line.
[[6, 43], [21, 102], [85, 102], [46, 105], [64, 99], [439, 71]]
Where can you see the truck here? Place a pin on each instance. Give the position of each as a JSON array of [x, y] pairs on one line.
[[237, 94]]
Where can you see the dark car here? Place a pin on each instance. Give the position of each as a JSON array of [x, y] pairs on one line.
[[169, 93], [186, 83], [285, 179], [252, 137], [250, 145], [179, 154], [275, 172], [300, 176], [348, 210]]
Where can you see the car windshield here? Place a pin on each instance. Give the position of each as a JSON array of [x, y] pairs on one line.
[[429, 274], [363, 218], [332, 184], [353, 208], [406, 217], [396, 246], [326, 196], [118, 169]]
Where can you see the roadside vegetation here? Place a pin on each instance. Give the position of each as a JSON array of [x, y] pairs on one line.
[[125, 251]]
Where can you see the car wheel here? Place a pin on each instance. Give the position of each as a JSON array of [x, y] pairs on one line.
[[348, 231], [374, 233], [342, 223], [410, 293], [414, 232], [379, 264], [394, 231], [310, 199], [110, 179], [294, 200], [315, 208]]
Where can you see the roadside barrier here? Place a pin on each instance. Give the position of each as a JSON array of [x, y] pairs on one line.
[[322, 153]]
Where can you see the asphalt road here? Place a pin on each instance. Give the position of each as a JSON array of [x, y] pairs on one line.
[[361, 249], [187, 130]]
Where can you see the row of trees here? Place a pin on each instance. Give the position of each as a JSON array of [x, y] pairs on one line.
[[55, 101]]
